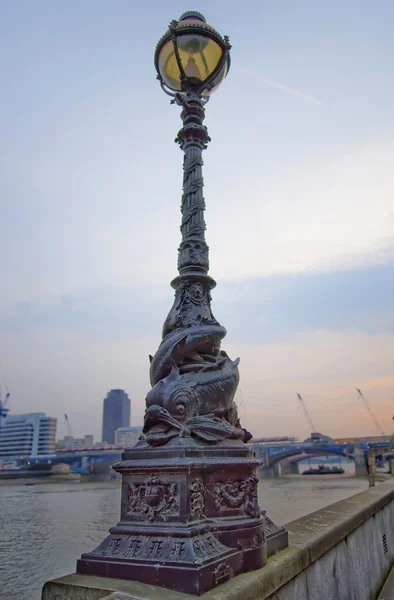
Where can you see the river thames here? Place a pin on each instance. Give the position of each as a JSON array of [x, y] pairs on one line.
[[45, 528]]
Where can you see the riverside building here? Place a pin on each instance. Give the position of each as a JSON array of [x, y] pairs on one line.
[[127, 436], [27, 435]]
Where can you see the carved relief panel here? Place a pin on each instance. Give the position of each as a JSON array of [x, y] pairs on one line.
[[150, 500], [237, 494]]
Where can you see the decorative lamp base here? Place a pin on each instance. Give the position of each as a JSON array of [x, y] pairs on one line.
[[190, 518]]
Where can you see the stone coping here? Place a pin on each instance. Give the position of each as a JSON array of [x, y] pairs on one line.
[[309, 538]]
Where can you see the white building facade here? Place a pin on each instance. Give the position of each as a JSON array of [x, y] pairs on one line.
[[27, 435], [127, 436]]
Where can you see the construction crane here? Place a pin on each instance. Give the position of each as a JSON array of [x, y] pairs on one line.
[[369, 409], [3, 406], [68, 425], [308, 416]]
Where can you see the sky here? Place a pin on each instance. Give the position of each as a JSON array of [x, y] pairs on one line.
[[299, 187]]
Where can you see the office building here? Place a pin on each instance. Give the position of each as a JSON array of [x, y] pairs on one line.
[[30, 434], [127, 436], [116, 413]]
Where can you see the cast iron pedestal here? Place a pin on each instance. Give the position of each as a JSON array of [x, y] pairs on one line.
[[190, 517]]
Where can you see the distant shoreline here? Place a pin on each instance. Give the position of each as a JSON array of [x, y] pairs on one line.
[[73, 478]]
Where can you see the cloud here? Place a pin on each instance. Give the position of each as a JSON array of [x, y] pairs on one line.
[[326, 215], [262, 309], [274, 307], [105, 224]]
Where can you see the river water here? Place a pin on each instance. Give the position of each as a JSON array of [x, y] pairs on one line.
[[45, 528]]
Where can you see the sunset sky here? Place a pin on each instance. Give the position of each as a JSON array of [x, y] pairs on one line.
[[299, 186]]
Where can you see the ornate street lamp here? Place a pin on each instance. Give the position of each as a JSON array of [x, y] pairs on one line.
[[190, 517]]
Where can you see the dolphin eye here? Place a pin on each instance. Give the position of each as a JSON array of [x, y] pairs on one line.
[[181, 409]]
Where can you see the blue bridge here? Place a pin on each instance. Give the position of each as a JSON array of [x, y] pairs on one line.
[[318, 445], [271, 455], [81, 461]]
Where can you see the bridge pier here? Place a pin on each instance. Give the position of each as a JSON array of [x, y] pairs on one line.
[[268, 472], [100, 471], [371, 468], [360, 461], [289, 468]]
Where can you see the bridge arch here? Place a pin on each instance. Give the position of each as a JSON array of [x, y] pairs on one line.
[[321, 451]]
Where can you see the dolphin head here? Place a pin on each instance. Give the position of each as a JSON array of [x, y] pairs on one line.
[[174, 396], [159, 426]]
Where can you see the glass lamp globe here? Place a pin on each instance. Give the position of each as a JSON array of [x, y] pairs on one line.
[[192, 56]]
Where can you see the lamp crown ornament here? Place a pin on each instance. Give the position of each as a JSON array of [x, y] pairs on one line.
[[192, 14]]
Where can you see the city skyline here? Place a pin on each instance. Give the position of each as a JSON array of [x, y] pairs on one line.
[[90, 188]]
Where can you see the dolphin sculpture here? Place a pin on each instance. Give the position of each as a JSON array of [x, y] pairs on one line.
[[182, 344]]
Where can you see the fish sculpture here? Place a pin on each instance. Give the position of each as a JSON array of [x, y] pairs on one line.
[[209, 390], [193, 388]]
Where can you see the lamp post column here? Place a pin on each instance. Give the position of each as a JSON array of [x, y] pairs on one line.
[[193, 139], [193, 252]]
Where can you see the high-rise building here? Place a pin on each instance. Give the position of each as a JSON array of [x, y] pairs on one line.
[[127, 436], [116, 413], [30, 434]]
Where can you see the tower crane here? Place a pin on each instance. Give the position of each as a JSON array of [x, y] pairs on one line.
[[308, 416], [3, 406], [68, 425], [369, 409]]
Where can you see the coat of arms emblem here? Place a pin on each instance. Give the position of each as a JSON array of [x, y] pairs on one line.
[[152, 498]]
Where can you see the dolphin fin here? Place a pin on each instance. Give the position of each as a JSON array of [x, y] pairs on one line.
[[178, 349], [150, 358], [174, 367]]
